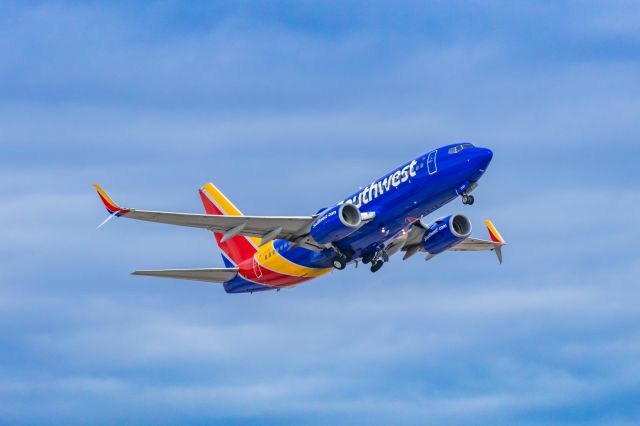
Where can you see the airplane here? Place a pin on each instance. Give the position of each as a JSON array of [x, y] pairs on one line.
[[386, 217]]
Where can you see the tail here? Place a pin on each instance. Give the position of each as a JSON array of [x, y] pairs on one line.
[[236, 249]]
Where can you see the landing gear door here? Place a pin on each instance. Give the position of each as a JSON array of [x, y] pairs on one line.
[[432, 166]]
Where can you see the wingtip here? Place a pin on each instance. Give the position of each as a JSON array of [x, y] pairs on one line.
[[496, 238], [109, 204], [493, 233]]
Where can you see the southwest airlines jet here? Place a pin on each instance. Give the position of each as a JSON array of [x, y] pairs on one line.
[[384, 218]]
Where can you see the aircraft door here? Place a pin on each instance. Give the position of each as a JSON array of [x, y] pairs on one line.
[[432, 166], [256, 268]]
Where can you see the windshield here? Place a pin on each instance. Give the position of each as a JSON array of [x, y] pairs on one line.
[[459, 148]]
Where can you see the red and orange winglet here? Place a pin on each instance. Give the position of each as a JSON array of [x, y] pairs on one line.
[[111, 206], [493, 233]]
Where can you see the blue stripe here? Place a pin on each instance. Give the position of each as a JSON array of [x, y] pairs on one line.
[[227, 262], [240, 285], [302, 256]]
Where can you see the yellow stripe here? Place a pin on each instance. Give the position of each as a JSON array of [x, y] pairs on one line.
[[268, 257], [226, 206], [104, 195], [493, 230], [223, 203]]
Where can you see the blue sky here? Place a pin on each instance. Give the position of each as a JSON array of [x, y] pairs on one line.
[[288, 107]]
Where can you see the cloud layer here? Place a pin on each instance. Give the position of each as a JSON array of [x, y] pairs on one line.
[[288, 107]]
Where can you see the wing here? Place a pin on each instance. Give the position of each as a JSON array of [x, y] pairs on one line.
[[210, 275], [413, 244], [291, 228], [474, 244]]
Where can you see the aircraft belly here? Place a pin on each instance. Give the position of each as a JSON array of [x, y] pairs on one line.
[[394, 220]]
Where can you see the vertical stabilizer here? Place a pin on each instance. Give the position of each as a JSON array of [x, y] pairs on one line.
[[235, 249]]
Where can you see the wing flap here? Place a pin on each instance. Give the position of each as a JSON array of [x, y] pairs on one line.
[[211, 275], [475, 244], [254, 226]]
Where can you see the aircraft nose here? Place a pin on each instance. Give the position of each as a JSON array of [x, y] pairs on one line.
[[485, 155], [480, 160]]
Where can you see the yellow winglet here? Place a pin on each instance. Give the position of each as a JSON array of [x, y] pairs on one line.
[[110, 205], [493, 233], [496, 238]]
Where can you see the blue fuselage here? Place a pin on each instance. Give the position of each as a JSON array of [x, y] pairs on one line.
[[415, 189], [397, 199]]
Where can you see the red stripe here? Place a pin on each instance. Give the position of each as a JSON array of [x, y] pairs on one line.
[[252, 271], [110, 207], [237, 248], [241, 251]]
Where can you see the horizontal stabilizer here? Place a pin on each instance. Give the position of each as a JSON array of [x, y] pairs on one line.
[[211, 275]]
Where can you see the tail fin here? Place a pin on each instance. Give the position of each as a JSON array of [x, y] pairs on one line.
[[238, 248]]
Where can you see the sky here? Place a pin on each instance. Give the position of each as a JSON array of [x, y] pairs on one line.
[[289, 107]]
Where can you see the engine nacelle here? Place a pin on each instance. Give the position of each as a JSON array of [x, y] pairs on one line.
[[445, 233], [336, 223]]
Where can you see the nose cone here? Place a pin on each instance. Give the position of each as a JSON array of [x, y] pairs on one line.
[[485, 155], [480, 159]]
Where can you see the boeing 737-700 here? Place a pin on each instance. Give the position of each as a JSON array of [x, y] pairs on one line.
[[384, 218]]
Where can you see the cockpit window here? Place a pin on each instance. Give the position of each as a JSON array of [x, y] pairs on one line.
[[458, 148]]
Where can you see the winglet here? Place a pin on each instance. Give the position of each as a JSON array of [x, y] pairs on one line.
[[496, 238], [493, 233], [111, 206]]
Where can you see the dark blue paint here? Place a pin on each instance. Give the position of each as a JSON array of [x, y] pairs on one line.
[[432, 180]]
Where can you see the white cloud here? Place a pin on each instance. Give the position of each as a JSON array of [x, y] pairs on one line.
[[284, 120]]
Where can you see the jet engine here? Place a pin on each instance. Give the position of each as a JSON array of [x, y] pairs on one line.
[[445, 233], [336, 223]]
